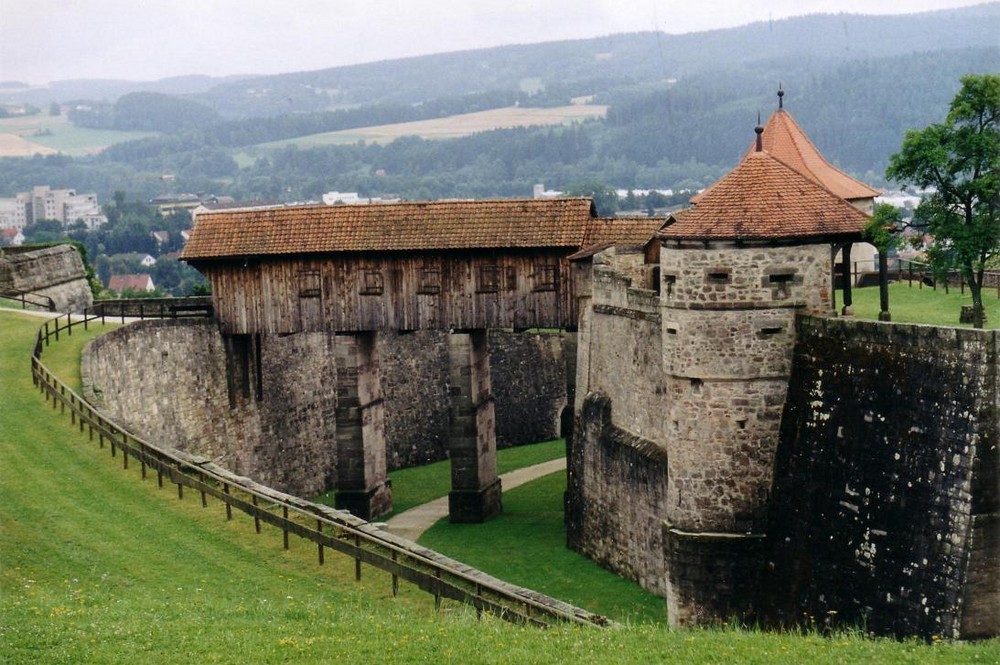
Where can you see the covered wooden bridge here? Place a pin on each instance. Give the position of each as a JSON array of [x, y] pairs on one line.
[[353, 271]]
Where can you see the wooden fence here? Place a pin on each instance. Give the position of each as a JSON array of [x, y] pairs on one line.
[[29, 299], [920, 273], [324, 526]]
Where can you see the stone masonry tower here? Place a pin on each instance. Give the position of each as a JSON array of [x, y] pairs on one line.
[[736, 268]]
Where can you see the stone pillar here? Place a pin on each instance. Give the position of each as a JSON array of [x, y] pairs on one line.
[[362, 485], [475, 487]]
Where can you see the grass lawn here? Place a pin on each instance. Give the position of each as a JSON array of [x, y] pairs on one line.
[[421, 484], [98, 566], [526, 545], [924, 305]]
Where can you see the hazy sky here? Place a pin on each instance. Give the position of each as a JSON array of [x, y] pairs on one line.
[[45, 40]]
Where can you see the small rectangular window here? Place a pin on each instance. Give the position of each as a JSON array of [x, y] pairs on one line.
[[717, 276], [488, 279], [429, 281], [309, 284], [781, 278], [371, 282], [546, 277], [669, 282]]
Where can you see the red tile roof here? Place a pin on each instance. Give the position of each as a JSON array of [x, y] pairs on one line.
[[785, 140], [622, 231], [121, 283], [765, 199], [437, 225]]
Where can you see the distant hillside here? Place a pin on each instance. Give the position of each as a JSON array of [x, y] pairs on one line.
[[600, 65], [556, 71], [108, 90], [680, 113]]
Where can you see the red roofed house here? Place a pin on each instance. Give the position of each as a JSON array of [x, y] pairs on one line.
[[134, 283]]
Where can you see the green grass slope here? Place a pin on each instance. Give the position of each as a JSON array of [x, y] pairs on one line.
[[915, 304], [98, 566]]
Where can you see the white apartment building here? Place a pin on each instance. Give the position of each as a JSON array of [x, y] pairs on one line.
[[43, 202], [14, 212]]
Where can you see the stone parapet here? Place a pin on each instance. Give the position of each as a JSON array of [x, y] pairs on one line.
[[743, 277]]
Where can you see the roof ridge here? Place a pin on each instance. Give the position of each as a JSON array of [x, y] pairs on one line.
[[764, 197], [800, 135]]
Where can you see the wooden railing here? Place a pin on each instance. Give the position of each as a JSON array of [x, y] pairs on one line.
[[324, 526], [921, 274], [27, 298]]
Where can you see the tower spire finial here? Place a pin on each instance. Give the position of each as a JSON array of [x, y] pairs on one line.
[[759, 129], [781, 94]]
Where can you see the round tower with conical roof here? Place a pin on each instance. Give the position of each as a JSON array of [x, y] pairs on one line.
[[736, 268]]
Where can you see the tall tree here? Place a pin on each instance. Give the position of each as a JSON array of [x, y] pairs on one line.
[[960, 160]]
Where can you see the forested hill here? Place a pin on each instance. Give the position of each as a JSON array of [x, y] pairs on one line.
[[594, 66], [681, 112]]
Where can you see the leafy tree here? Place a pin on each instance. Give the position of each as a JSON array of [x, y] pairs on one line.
[[960, 160], [44, 231], [882, 231], [605, 197]]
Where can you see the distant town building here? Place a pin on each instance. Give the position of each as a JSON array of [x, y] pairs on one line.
[[539, 192], [43, 202], [169, 204], [134, 283], [11, 237], [330, 198], [14, 212], [162, 238], [228, 203]]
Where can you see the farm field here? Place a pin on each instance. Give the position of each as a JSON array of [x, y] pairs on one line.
[[44, 134], [99, 566], [450, 127]]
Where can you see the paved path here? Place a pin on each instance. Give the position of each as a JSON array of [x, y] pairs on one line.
[[412, 523]]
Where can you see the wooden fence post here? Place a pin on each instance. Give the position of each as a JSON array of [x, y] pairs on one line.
[[284, 514], [357, 560], [319, 543], [395, 577], [229, 507]]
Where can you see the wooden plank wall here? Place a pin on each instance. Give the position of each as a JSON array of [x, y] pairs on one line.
[[345, 293]]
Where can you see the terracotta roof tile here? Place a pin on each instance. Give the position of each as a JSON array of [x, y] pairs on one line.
[[622, 231], [763, 199], [437, 225], [140, 282], [786, 141]]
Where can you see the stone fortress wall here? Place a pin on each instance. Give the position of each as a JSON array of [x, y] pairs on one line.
[[264, 406], [54, 272], [873, 491]]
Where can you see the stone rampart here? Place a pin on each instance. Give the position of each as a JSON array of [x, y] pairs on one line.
[[53, 272], [264, 406], [887, 489], [617, 497]]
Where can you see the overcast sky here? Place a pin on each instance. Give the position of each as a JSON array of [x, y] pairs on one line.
[[46, 40]]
